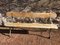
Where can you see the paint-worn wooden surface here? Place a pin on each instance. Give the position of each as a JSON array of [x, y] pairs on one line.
[[32, 25], [32, 14]]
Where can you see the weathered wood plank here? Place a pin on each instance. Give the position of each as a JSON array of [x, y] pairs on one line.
[[31, 14], [9, 28], [32, 25]]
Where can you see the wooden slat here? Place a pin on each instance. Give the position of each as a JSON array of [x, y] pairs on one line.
[[4, 28], [32, 25], [9, 28], [31, 14]]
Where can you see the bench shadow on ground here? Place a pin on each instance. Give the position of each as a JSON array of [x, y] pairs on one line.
[[4, 32]]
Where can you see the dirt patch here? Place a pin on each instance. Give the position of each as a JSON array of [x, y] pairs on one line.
[[26, 39]]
